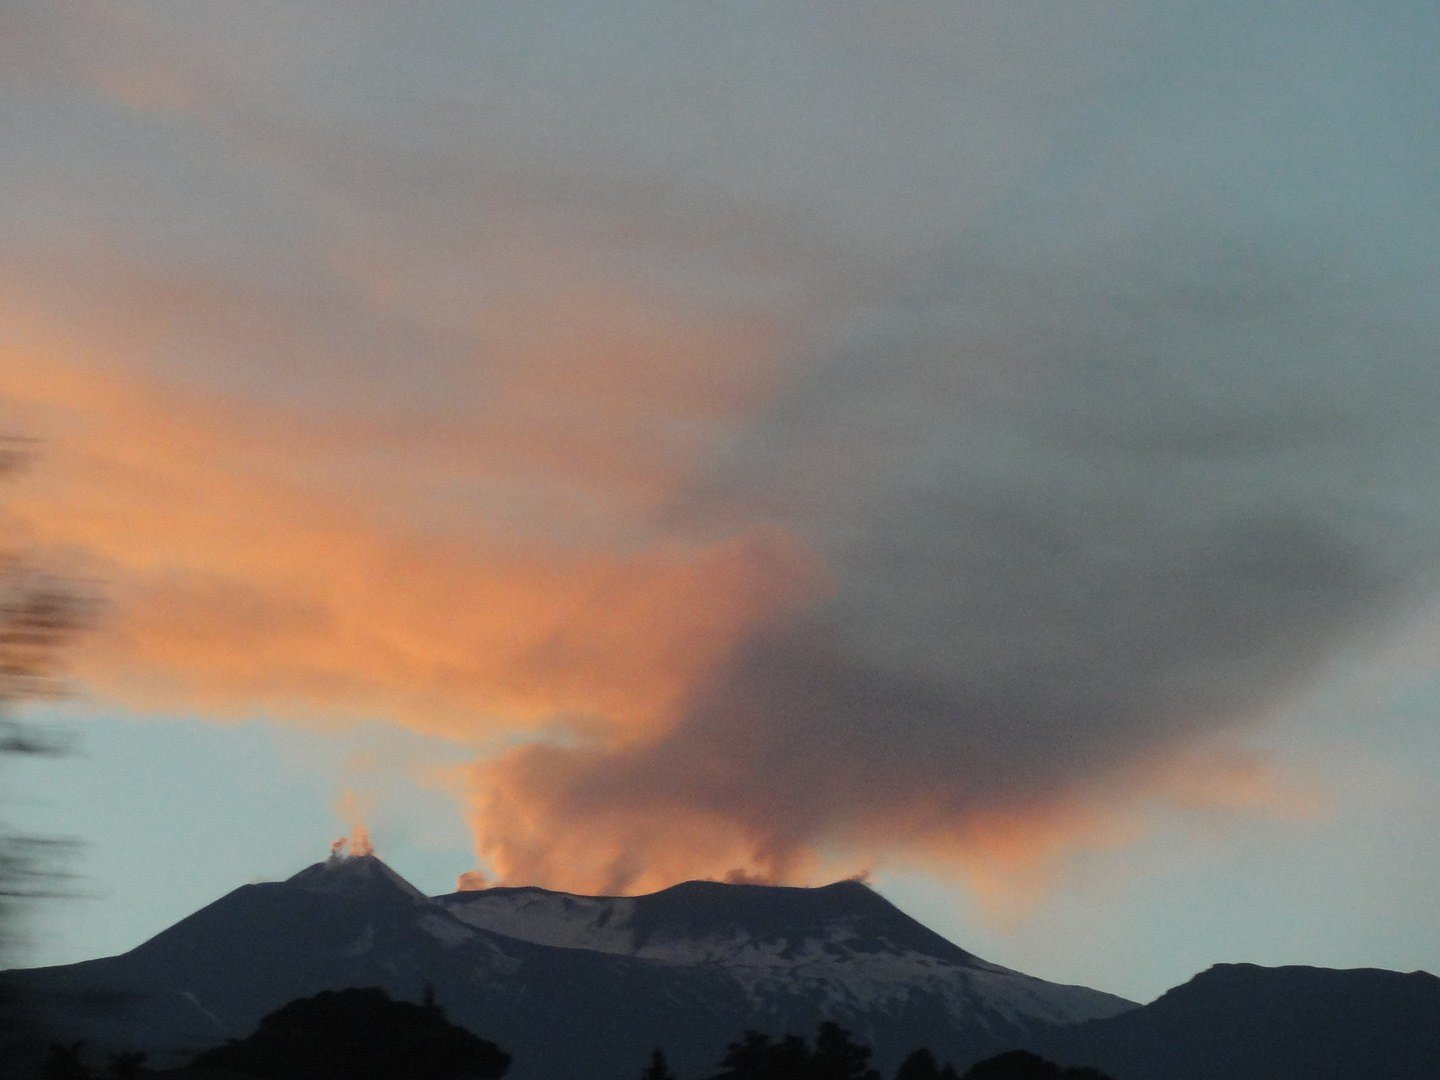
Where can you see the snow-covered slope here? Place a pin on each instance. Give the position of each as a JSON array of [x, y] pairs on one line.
[[601, 923], [841, 945]]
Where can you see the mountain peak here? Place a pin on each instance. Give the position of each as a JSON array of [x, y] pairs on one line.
[[349, 872]]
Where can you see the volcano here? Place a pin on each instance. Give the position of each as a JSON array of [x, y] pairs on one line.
[[569, 985]]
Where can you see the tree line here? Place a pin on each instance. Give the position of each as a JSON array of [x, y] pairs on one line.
[[364, 1034], [834, 1054]]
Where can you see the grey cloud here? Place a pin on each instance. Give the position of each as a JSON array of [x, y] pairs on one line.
[[1140, 450]]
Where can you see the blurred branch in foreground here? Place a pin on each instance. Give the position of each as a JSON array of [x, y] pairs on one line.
[[40, 614]]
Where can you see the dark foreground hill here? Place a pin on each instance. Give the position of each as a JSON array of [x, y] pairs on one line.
[[571, 986], [1242, 1022], [358, 1034]]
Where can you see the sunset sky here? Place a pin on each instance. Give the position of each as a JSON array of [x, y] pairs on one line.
[[988, 446]]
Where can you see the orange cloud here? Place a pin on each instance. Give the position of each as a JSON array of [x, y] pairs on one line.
[[1228, 780], [466, 577], [507, 571], [245, 583]]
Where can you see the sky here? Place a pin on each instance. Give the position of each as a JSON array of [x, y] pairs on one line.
[[987, 447]]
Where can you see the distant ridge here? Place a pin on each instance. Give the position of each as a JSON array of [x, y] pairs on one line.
[[1245, 1022]]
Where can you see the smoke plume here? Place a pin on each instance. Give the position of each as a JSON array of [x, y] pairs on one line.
[[1114, 477]]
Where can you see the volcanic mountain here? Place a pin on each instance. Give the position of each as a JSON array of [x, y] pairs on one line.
[[570, 985]]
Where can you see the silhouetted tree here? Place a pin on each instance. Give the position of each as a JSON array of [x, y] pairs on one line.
[[761, 1057], [359, 1034], [838, 1057], [751, 1058], [65, 1061], [1023, 1065], [1014, 1065], [127, 1065], [658, 1069], [920, 1065], [791, 1057]]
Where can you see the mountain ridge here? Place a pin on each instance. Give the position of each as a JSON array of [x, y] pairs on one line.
[[640, 924], [577, 985], [711, 961], [1293, 1022]]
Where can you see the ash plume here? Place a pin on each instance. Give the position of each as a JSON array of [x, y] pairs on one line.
[[1114, 477]]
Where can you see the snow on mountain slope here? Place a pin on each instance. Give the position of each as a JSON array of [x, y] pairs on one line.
[[710, 922], [600, 923], [840, 944]]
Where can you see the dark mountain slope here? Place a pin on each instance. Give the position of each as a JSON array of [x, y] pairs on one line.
[[1243, 1022]]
